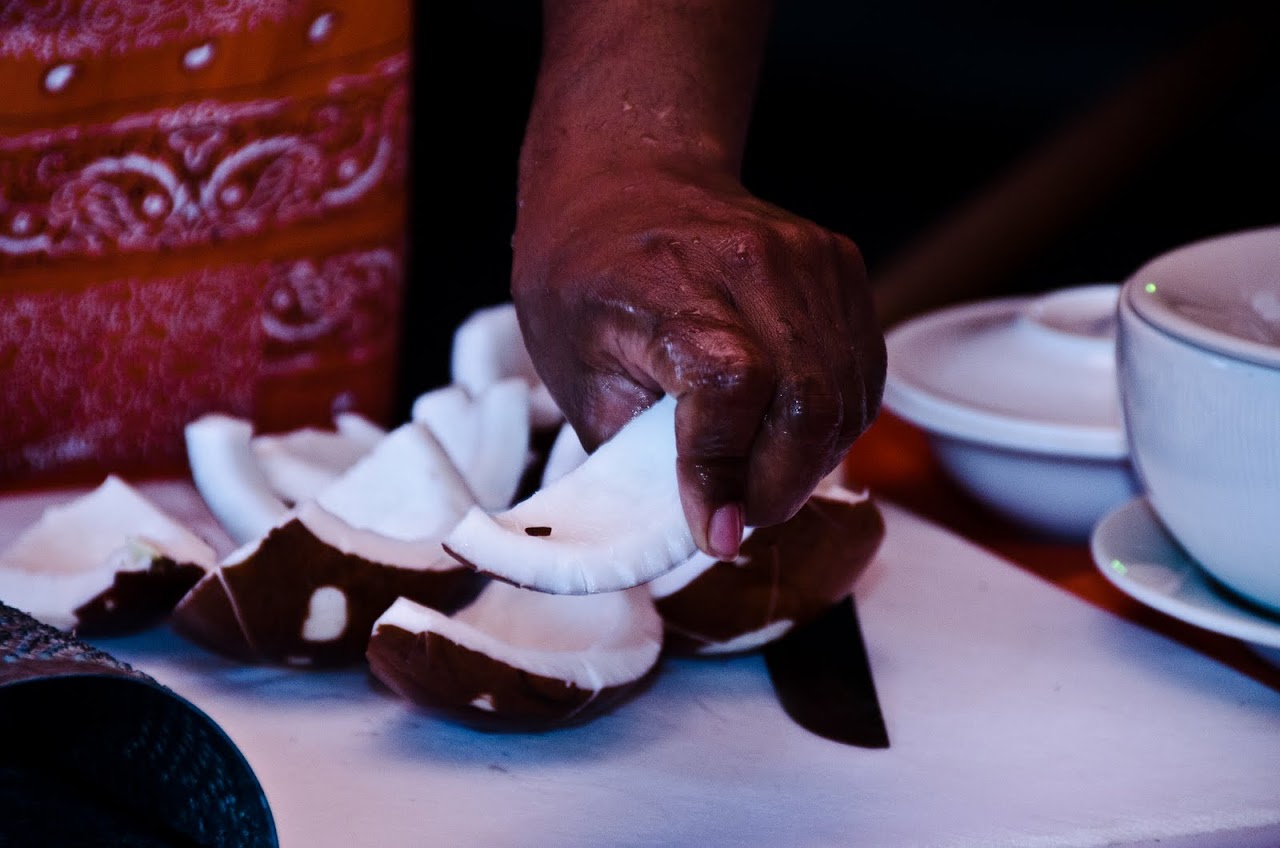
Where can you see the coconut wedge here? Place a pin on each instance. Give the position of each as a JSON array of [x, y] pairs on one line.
[[301, 463], [565, 455], [308, 592], [358, 429], [784, 576], [487, 347], [228, 477], [612, 523], [105, 563], [515, 659], [487, 436]]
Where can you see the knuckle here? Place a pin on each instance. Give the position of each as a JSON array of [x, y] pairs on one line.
[[848, 251], [716, 359], [812, 412], [742, 374], [749, 247]]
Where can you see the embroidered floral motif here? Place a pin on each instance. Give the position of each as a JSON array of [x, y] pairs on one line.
[[69, 29], [201, 173]]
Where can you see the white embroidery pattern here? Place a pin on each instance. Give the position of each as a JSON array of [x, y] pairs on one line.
[[344, 302], [51, 30], [184, 182]]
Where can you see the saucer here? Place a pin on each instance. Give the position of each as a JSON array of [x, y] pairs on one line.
[[1135, 552]]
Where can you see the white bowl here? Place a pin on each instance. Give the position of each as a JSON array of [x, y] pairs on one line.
[[1020, 402], [1199, 369]]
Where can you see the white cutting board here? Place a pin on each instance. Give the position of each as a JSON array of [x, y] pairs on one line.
[[1019, 716]]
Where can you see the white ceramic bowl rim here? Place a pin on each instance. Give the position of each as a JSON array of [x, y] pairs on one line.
[[1067, 335], [1221, 294]]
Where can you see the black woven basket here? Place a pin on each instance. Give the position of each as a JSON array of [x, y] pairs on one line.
[[96, 753]]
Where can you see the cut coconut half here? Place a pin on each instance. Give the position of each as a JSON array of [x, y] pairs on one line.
[[515, 659], [486, 436], [784, 576], [487, 347], [227, 475], [612, 523], [104, 563], [308, 592], [300, 463]]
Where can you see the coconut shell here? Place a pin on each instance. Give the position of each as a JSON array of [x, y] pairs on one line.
[[136, 600], [785, 575], [472, 688], [258, 608]]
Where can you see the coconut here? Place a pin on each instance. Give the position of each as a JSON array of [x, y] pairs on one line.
[[613, 522], [358, 429], [107, 562], [784, 576], [487, 347], [308, 591], [301, 463], [566, 454], [486, 437], [228, 477], [516, 659]]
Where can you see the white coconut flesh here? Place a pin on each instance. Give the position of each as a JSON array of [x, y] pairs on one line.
[[300, 463], [486, 436], [392, 507], [748, 641], [228, 477], [74, 551], [487, 347], [566, 454], [613, 522], [592, 642], [405, 489], [689, 570], [308, 591], [358, 429]]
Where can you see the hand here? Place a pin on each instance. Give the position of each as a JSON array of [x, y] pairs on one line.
[[634, 284]]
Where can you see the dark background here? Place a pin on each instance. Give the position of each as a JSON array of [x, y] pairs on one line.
[[885, 122]]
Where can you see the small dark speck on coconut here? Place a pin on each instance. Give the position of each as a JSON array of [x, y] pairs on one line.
[[538, 531]]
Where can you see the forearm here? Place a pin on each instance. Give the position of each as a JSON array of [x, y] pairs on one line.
[[660, 83]]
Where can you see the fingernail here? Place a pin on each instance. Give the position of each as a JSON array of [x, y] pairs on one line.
[[724, 532]]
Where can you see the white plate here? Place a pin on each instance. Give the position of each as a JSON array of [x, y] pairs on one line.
[[1135, 552]]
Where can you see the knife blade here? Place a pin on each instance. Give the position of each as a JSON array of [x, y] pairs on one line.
[[822, 676]]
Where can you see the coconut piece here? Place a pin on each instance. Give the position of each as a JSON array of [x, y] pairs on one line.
[[106, 562], [228, 477], [785, 575], [516, 659], [358, 429], [487, 347], [566, 454], [487, 436], [308, 592], [301, 463], [613, 522]]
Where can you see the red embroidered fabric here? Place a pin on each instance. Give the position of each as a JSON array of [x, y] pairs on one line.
[[202, 208]]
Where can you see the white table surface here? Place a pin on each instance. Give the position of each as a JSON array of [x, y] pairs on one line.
[[1019, 716]]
